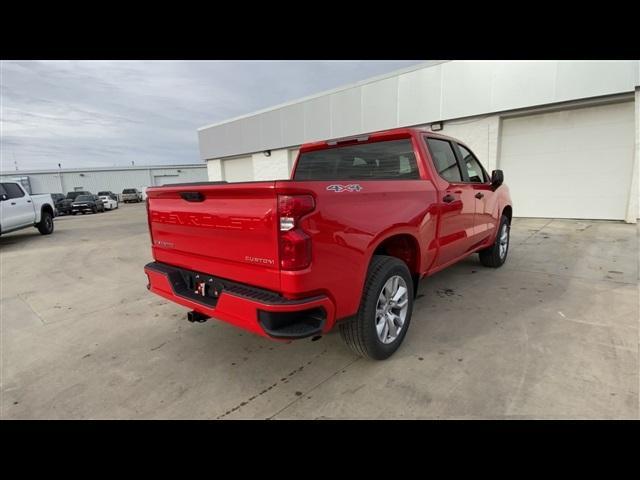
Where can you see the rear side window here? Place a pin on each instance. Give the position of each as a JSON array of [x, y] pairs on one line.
[[13, 190], [444, 159], [390, 160]]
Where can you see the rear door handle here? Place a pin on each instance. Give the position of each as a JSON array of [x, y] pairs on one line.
[[28, 201], [13, 203], [479, 195], [448, 198]]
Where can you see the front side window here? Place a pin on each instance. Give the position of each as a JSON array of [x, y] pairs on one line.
[[388, 160], [444, 159], [474, 169], [13, 190]]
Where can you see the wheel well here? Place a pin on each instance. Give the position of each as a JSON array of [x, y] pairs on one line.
[[508, 212], [47, 208], [403, 246], [406, 248]]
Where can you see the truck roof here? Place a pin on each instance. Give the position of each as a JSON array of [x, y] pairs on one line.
[[403, 132]]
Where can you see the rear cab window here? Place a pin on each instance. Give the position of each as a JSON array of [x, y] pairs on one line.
[[383, 160]]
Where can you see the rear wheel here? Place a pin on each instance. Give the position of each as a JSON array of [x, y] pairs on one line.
[[495, 255], [45, 227], [382, 321]]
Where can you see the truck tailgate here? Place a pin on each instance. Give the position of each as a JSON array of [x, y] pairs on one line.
[[227, 230]]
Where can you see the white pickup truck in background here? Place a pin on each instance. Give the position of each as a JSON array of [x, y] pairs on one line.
[[20, 210]]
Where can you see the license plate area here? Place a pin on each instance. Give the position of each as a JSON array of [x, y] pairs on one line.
[[199, 287]]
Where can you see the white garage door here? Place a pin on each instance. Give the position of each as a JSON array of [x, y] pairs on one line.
[[570, 164], [238, 169]]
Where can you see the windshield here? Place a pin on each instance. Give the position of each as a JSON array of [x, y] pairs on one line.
[[104, 194], [392, 159], [129, 190], [84, 198]]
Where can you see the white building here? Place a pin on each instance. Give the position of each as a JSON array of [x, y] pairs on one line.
[[566, 133], [113, 179]]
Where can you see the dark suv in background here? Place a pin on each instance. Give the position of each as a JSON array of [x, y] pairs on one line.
[[65, 205], [87, 203]]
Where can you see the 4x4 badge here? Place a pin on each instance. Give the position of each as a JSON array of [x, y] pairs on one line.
[[345, 188]]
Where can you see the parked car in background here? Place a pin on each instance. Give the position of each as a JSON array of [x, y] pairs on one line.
[[20, 210], [131, 195], [108, 202], [65, 205], [57, 198], [87, 203], [342, 244], [108, 193]]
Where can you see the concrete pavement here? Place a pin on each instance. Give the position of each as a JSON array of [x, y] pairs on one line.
[[552, 334]]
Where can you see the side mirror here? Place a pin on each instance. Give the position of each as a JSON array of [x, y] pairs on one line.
[[497, 177], [4, 197]]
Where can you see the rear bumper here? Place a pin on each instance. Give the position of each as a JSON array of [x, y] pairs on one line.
[[260, 311]]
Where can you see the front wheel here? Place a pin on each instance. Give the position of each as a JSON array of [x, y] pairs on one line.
[[495, 255], [382, 321], [45, 227]]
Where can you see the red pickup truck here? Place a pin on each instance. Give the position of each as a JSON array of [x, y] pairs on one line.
[[344, 242]]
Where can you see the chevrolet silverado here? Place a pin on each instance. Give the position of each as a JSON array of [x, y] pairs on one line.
[[343, 243], [19, 209]]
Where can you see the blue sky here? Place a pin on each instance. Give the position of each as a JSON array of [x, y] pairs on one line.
[[108, 113]]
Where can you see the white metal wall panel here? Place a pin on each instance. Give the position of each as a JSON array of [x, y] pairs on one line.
[[271, 130], [317, 119], [522, 84], [379, 105], [582, 79], [470, 81], [444, 91], [570, 164], [250, 134], [238, 169], [346, 112], [419, 96], [293, 124]]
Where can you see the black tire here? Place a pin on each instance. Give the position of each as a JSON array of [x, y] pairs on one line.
[[491, 256], [45, 227], [359, 332]]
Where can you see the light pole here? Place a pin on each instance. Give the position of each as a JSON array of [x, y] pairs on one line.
[[60, 177]]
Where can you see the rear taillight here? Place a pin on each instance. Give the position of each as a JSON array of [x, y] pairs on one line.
[[295, 244], [149, 221]]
